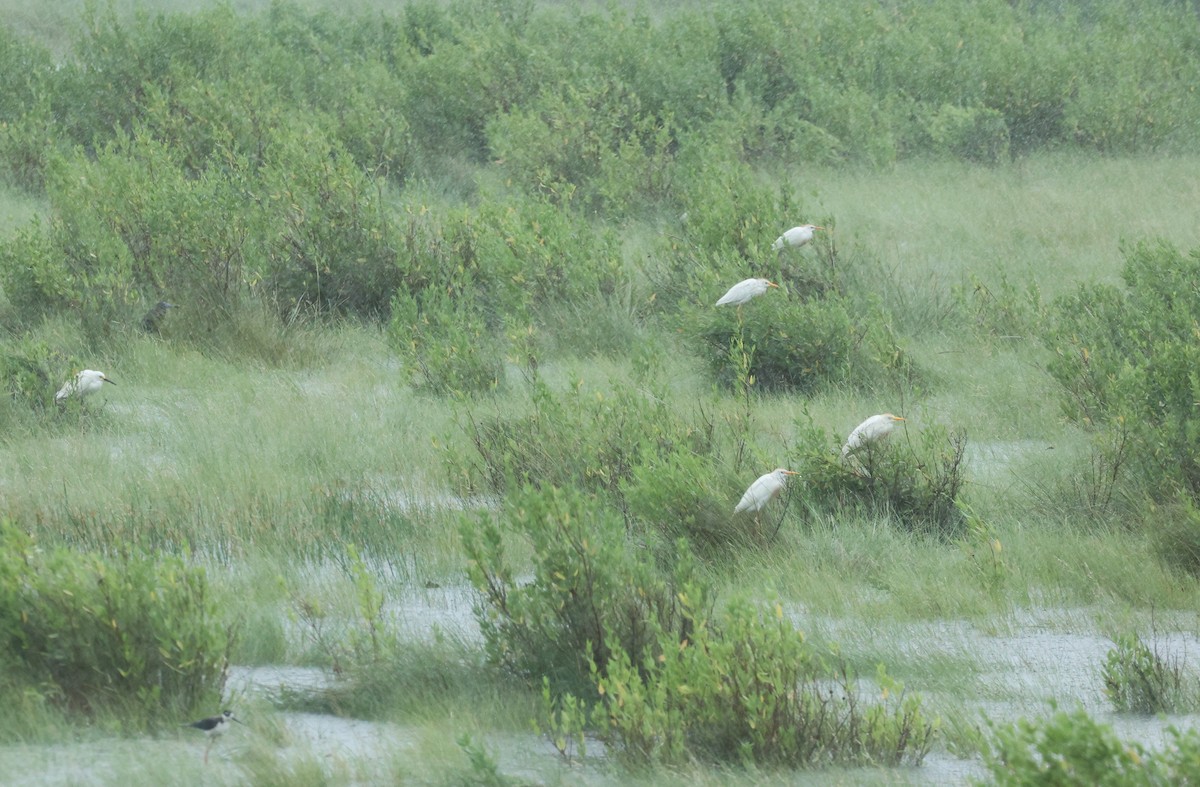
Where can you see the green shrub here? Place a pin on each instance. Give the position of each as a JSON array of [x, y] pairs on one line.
[[594, 146], [28, 367], [92, 632], [1126, 360], [592, 588], [1133, 56], [971, 133], [580, 438], [26, 121], [327, 240], [446, 344], [1140, 680], [34, 278], [129, 225], [917, 481], [731, 215], [800, 345], [746, 688], [1073, 748], [462, 80], [678, 495]]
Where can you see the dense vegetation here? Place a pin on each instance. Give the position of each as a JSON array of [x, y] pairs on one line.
[[504, 191]]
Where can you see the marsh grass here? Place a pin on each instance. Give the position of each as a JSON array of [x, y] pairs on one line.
[[287, 453], [265, 461], [1050, 220]]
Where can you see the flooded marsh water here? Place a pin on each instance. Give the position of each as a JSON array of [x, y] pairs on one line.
[[1021, 665]]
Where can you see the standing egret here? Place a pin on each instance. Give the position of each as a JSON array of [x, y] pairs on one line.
[[765, 489], [796, 236], [212, 727], [84, 384], [744, 290], [869, 432]]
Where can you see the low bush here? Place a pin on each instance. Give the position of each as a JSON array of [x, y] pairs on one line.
[[916, 479], [746, 688], [825, 326], [28, 368], [592, 589], [680, 495], [1125, 360], [1073, 748], [1140, 680], [971, 133], [801, 346], [93, 633], [587, 439], [446, 344]]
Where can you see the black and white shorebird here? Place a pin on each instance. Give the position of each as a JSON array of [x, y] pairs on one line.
[[212, 727]]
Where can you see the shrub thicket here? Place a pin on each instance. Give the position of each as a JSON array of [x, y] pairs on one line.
[[745, 687], [667, 680], [1073, 748], [592, 589], [161, 143], [1138, 679], [1125, 359], [916, 478], [95, 633]]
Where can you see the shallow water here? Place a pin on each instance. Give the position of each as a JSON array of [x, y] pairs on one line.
[[1029, 660]]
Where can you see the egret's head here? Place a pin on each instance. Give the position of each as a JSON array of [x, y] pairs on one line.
[[781, 471], [92, 376]]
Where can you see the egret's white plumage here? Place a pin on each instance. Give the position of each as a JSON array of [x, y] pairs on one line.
[[82, 385], [870, 431], [796, 236], [745, 290], [765, 489]]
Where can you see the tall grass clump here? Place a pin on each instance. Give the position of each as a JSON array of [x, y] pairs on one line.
[[380, 671], [91, 634]]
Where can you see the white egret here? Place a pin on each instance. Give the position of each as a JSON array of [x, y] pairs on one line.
[[869, 432], [765, 489], [82, 385], [745, 290], [212, 727], [796, 236]]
